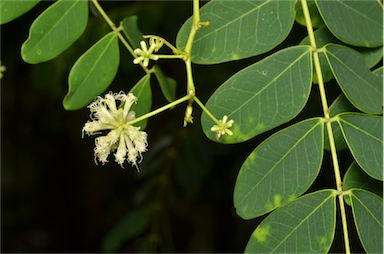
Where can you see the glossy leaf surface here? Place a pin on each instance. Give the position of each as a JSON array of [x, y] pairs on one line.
[[263, 95], [364, 136], [55, 30], [306, 225], [238, 29], [93, 72], [279, 169]]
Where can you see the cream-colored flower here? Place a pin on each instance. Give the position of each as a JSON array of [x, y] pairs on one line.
[[128, 141], [223, 127], [144, 54], [2, 69]]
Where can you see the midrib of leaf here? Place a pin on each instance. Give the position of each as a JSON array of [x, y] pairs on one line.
[[349, 69], [360, 130], [96, 62], [235, 20], [361, 14], [281, 159], [304, 220], [368, 210], [269, 83], [52, 27]]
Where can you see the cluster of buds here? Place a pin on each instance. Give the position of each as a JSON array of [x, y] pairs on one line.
[[144, 54], [223, 127]]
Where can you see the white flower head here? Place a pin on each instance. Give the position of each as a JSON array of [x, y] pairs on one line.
[[128, 141], [144, 53], [223, 127]]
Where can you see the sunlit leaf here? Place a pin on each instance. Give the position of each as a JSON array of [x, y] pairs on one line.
[[263, 95], [93, 72], [131, 31], [364, 136], [132, 225], [338, 106], [142, 90], [356, 178], [368, 214], [316, 19], [357, 82], [167, 84], [279, 169], [238, 29], [11, 9], [55, 30], [358, 23], [306, 225]]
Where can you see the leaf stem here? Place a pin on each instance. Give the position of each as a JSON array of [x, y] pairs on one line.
[[339, 184], [159, 110], [206, 110], [117, 31]]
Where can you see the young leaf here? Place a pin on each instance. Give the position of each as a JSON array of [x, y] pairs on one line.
[[263, 95], [364, 136], [316, 19], [357, 82], [368, 214], [358, 23], [131, 31], [238, 29], [55, 30], [142, 90], [306, 225], [132, 225], [356, 178], [279, 169], [93, 72], [167, 84], [339, 105], [11, 9]]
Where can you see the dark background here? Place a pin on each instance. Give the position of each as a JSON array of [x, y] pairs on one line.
[[55, 199]]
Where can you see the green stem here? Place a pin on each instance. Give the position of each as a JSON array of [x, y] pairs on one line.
[[173, 48], [169, 56], [117, 31], [159, 110], [206, 110], [339, 184]]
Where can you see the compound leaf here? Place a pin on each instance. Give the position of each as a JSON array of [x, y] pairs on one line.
[[238, 29], [263, 95], [364, 136], [55, 30], [11, 9], [358, 23], [93, 72], [142, 90], [279, 169], [306, 225], [368, 214], [357, 82]]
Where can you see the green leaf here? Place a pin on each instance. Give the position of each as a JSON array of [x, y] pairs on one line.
[[55, 30], [322, 37], [263, 95], [142, 90], [238, 29], [167, 84], [339, 105], [132, 225], [93, 72], [357, 82], [279, 169], [306, 225], [358, 23], [11, 9], [364, 136], [356, 178], [316, 19], [132, 31], [368, 215], [372, 56]]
